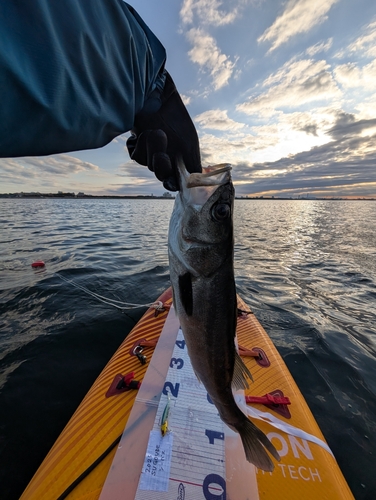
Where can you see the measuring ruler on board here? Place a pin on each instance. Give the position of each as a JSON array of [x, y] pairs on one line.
[[198, 458], [189, 461]]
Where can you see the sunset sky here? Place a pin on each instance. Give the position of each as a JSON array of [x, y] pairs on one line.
[[285, 91]]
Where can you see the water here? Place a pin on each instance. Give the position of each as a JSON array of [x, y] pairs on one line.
[[306, 268]]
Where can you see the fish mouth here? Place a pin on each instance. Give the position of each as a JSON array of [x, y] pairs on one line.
[[210, 177], [196, 188]]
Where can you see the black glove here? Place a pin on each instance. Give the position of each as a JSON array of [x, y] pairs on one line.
[[162, 134]]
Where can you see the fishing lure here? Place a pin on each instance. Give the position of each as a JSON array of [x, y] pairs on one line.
[[164, 419]]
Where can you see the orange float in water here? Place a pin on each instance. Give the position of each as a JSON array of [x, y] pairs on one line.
[[38, 263]]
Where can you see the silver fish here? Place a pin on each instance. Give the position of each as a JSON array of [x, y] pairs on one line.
[[201, 254]]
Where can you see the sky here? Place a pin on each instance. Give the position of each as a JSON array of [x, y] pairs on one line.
[[285, 91]]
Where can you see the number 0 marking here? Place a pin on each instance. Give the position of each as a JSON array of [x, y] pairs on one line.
[[216, 480]]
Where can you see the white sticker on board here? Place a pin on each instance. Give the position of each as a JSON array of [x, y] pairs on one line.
[[156, 469]]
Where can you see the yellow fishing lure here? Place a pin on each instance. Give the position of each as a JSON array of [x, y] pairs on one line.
[[164, 419]]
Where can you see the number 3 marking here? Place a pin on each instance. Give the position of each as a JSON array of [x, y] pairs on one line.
[[178, 362]]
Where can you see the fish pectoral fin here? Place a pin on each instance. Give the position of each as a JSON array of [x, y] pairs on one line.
[[241, 373], [186, 293], [198, 378]]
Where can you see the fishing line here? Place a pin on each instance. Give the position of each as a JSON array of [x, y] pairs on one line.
[[111, 302]]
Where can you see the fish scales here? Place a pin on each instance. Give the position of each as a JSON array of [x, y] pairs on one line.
[[201, 256]]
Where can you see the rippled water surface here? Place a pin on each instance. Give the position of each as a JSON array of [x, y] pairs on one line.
[[307, 269]]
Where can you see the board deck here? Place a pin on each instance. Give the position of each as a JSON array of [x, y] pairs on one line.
[[82, 461]]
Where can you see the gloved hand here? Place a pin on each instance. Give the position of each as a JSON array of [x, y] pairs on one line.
[[163, 132]]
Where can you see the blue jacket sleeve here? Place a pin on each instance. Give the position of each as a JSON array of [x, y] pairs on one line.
[[73, 73]]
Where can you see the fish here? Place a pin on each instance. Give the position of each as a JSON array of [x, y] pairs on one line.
[[201, 261]]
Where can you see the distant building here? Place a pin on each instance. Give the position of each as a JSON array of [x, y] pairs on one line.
[[166, 194]]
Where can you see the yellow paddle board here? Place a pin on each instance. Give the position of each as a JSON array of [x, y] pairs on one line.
[[113, 447]]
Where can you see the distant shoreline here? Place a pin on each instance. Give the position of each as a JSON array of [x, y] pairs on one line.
[[166, 196], [70, 196]]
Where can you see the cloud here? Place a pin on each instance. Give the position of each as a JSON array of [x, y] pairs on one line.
[[300, 16], [302, 122], [366, 43], [135, 179], [264, 141], [217, 119], [295, 84], [40, 171], [198, 16], [62, 164], [186, 99], [12, 169], [207, 12], [350, 75], [319, 47], [133, 170], [216, 149], [341, 167], [286, 133], [315, 152], [363, 46], [367, 107], [209, 57], [346, 125]]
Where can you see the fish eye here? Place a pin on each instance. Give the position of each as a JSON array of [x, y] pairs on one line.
[[221, 212]]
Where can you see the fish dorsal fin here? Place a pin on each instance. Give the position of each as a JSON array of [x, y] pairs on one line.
[[241, 372]]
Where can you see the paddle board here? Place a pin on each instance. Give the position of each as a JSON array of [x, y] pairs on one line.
[[113, 447]]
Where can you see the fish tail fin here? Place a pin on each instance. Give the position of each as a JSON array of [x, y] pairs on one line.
[[254, 443]]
